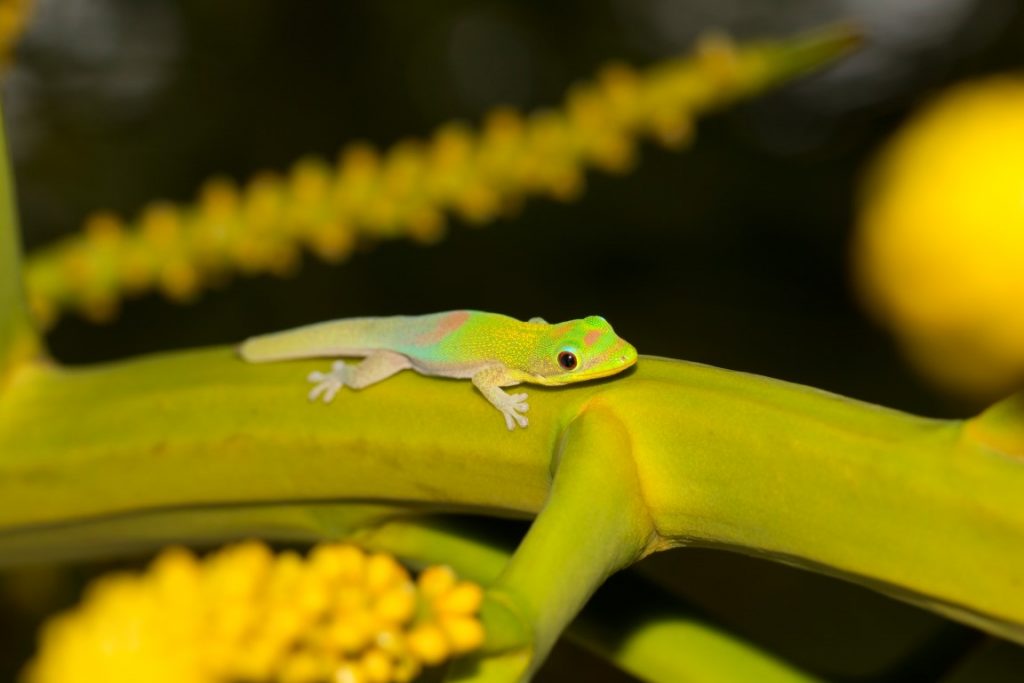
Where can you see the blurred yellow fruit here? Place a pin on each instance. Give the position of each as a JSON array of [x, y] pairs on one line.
[[939, 252]]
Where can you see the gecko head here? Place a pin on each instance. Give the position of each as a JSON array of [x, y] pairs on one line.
[[580, 350]]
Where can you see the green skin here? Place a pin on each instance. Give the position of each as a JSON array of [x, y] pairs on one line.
[[492, 350]]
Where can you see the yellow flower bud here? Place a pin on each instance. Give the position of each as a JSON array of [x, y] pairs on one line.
[[397, 605], [461, 599], [429, 644], [161, 223], [383, 572], [377, 666], [465, 634], [436, 581], [104, 228]]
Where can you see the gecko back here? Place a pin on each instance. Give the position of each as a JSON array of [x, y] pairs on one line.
[[408, 335]]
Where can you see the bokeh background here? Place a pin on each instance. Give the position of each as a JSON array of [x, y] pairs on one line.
[[733, 252]]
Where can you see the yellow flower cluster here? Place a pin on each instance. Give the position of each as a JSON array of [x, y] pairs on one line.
[[940, 247], [243, 614], [13, 17], [477, 175]]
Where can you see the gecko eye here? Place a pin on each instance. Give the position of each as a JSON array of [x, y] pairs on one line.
[[568, 360]]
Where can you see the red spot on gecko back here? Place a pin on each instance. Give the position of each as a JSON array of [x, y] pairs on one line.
[[445, 326], [591, 337]]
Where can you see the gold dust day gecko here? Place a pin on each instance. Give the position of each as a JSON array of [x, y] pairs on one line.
[[491, 350]]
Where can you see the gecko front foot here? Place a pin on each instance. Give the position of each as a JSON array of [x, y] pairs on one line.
[[512, 406], [330, 383]]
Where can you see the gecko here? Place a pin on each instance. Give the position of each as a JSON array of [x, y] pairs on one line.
[[491, 350]]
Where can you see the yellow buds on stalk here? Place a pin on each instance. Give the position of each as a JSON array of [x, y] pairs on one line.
[[409, 190], [940, 247], [242, 614]]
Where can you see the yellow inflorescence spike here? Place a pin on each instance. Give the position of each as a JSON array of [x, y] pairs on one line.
[[244, 614], [409, 190]]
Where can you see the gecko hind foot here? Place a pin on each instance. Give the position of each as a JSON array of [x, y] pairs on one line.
[[328, 384]]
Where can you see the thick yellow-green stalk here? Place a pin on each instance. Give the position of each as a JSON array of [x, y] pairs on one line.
[[919, 508]]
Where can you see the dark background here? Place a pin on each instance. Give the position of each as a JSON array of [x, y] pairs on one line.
[[732, 252]]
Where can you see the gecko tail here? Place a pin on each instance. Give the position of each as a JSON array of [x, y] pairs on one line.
[[320, 340], [250, 351], [304, 342], [266, 349]]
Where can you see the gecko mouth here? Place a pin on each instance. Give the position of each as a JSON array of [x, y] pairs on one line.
[[606, 372], [624, 356]]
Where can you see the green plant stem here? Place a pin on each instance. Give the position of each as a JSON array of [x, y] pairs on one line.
[[631, 622], [17, 337], [908, 505], [655, 639], [548, 579]]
